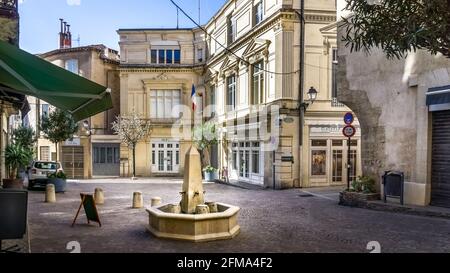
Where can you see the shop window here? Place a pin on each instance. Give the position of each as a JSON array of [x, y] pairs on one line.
[[337, 166], [255, 162], [318, 162], [235, 160]]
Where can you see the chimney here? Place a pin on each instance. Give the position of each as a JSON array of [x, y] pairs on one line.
[[68, 37], [61, 35], [65, 36]]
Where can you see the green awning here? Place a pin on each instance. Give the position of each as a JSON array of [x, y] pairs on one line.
[[25, 73]]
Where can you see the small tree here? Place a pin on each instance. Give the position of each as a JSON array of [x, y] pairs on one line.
[[24, 138], [131, 129], [204, 136], [398, 26], [58, 126]]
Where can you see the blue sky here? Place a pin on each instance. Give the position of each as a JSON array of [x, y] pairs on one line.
[[96, 21]]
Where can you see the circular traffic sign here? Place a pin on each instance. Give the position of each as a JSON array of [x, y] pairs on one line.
[[349, 131], [349, 118]]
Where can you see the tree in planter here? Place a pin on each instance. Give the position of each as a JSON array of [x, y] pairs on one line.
[[398, 26], [26, 138], [16, 157], [58, 126], [204, 136], [131, 129]]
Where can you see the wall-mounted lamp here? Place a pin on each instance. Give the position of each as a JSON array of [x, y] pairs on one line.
[[312, 96], [88, 128]]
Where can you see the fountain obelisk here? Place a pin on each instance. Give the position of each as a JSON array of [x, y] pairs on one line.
[[192, 191]]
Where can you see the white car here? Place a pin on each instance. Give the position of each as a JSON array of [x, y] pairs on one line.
[[39, 170]]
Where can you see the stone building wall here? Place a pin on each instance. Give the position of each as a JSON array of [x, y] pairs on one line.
[[389, 98]]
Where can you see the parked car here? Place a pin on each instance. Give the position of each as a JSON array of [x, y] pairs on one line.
[[39, 170]]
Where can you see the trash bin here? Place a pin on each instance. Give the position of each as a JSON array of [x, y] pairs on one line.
[[393, 183]]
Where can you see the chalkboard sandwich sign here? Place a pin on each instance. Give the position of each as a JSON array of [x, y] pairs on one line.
[[88, 203]]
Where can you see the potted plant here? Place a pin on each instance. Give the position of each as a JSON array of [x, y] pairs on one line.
[[59, 179], [16, 156], [363, 189], [210, 173]]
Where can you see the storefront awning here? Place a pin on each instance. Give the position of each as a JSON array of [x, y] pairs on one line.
[[438, 98], [24, 73]]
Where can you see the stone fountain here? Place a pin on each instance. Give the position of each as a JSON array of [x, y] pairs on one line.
[[193, 219]]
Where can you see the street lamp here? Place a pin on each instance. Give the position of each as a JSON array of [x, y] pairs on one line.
[[312, 95]]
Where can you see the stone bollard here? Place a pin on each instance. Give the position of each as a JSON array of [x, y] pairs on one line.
[[138, 201], [50, 195], [212, 207], [201, 209], [99, 197], [156, 201], [174, 208]]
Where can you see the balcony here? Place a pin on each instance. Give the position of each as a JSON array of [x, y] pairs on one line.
[[8, 8]]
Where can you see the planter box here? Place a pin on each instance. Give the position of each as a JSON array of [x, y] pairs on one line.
[[356, 199], [209, 177], [13, 184], [60, 184]]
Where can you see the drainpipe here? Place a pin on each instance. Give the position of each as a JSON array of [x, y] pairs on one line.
[[301, 14]]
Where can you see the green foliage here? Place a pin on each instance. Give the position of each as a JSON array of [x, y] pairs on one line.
[[58, 174], [398, 26], [24, 136], [205, 135], [365, 184], [209, 169], [58, 126], [16, 156]]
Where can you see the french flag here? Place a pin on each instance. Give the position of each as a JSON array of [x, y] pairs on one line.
[[194, 98]]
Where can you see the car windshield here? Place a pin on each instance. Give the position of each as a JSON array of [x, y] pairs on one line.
[[46, 165]]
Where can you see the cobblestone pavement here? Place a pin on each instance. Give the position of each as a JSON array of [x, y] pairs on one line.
[[271, 221]]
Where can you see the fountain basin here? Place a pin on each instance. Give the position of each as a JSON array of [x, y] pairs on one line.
[[194, 227]]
